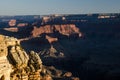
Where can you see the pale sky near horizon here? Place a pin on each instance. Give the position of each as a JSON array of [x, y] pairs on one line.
[[42, 7]]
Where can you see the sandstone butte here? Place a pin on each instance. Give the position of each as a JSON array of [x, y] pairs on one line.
[[64, 29], [16, 64]]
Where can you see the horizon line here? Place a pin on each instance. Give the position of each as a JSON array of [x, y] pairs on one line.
[[56, 14]]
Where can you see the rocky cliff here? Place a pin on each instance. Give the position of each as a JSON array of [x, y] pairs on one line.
[[16, 64], [51, 32], [64, 29]]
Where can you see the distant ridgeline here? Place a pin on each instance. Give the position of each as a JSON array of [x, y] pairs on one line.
[[37, 20]]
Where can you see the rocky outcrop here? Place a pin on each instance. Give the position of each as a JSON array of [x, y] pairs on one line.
[[52, 52], [5, 67], [51, 39], [16, 64], [64, 29], [12, 22], [53, 32]]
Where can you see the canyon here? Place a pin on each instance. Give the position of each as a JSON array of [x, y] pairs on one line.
[[68, 46]]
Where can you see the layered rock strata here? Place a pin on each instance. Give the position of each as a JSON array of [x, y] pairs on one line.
[[16, 64], [64, 29]]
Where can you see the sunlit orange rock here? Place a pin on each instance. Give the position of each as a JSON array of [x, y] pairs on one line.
[[50, 39], [12, 22], [64, 29], [22, 24]]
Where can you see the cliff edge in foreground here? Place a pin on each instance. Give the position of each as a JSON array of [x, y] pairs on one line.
[[16, 64]]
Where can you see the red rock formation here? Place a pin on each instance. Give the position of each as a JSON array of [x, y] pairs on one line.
[[22, 24], [50, 39], [12, 22], [11, 29], [64, 29]]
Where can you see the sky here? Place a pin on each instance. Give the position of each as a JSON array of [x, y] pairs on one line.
[[44, 7]]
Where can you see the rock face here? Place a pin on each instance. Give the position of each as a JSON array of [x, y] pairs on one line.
[[5, 68], [16, 64], [64, 29], [53, 32]]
